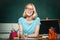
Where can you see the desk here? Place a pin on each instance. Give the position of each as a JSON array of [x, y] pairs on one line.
[[30, 38]]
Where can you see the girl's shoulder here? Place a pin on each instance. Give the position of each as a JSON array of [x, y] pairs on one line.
[[37, 18], [37, 21], [21, 18]]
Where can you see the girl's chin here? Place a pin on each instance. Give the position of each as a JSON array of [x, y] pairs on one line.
[[29, 15]]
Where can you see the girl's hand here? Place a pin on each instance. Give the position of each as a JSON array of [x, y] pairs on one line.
[[26, 36]]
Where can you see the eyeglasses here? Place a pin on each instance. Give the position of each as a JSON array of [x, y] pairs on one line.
[[29, 8]]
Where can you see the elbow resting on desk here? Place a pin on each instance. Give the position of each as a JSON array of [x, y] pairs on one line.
[[33, 35]]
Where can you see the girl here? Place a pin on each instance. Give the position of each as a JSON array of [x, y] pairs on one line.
[[29, 24]]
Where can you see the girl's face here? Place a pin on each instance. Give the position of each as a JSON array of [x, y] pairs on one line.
[[29, 10]]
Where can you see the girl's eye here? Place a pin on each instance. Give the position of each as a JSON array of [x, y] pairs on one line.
[[29, 8]]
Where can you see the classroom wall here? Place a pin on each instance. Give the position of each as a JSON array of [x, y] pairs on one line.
[[11, 10]]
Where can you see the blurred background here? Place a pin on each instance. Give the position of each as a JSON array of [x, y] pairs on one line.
[[12, 10]]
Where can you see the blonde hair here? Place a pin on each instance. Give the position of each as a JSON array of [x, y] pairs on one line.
[[34, 11]]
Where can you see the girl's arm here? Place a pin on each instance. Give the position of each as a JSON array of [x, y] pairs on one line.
[[20, 32], [36, 32]]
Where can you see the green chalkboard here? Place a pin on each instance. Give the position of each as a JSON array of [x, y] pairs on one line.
[[11, 10]]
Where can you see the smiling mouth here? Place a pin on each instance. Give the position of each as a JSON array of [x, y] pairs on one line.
[[29, 12]]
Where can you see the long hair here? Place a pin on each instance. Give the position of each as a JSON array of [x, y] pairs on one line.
[[34, 11]]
